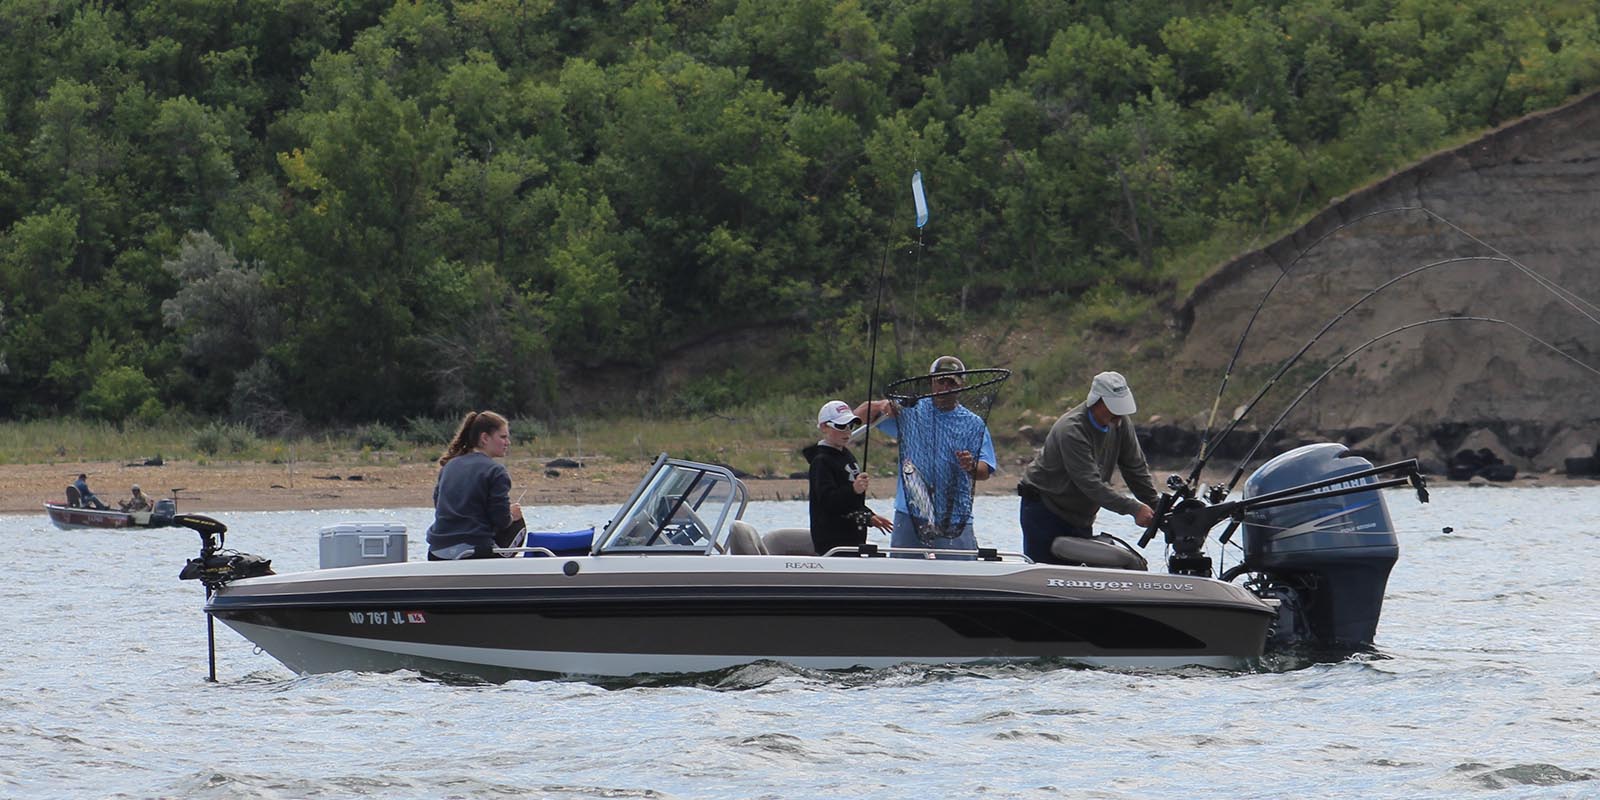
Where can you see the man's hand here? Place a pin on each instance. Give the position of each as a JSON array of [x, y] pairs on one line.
[[970, 465], [1144, 516]]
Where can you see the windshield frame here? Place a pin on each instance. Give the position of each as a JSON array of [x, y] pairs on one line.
[[680, 507]]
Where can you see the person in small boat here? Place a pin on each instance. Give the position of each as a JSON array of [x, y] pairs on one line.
[[138, 502], [86, 498], [1069, 481], [472, 498], [839, 513], [946, 469]]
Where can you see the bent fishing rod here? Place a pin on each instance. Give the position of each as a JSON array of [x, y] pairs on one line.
[[1288, 363], [1238, 347], [1238, 471], [1182, 494], [1208, 446]]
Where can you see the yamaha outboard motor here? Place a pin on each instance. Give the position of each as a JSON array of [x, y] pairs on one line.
[[1326, 560]]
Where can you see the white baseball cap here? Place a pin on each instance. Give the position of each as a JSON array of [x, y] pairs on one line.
[[836, 412], [1112, 388]]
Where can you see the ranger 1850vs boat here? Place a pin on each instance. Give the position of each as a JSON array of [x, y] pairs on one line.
[[679, 582]]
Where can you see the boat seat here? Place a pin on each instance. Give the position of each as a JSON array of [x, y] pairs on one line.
[[743, 540], [1101, 550], [74, 499], [789, 542]]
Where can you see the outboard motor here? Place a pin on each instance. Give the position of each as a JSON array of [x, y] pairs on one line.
[[1326, 560], [163, 513]]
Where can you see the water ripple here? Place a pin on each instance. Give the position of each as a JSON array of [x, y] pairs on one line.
[[1474, 688]]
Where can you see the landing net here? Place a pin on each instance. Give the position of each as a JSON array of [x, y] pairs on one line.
[[936, 422]]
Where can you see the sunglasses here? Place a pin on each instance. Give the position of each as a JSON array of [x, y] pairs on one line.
[[848, 426]]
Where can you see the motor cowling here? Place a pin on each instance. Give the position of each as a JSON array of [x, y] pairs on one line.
[[163, 513], [1335, 553]]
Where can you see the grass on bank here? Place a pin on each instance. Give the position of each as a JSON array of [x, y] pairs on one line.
[[1052, 355]]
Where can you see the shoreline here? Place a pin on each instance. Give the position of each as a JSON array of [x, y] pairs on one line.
[[256, 486], [259, 486]]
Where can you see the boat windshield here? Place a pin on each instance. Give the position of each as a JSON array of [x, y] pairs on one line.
[[681, 506]]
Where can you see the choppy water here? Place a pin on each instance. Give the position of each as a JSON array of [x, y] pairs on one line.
[[1490, 687]]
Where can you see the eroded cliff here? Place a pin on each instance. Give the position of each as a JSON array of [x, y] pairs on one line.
[[1528, 191]]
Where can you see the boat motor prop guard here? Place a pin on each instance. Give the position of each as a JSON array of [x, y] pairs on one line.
[[1317, 538]]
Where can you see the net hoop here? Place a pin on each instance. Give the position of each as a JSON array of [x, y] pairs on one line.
[[938, 500], [907, 391]]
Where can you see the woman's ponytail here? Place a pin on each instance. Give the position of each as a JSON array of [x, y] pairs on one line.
[[473, 426]]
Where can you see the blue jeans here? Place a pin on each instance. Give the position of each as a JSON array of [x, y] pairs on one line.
[[1041, 526], [905, 535]]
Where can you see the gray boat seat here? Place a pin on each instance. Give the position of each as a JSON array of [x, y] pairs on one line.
[[789, 542], [743, 540], [74, 498], [1101, 550]]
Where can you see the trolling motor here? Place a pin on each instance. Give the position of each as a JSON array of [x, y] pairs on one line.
[[215, 568], [1317, 539]]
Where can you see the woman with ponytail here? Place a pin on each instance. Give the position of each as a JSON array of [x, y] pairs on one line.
[[472, 500]]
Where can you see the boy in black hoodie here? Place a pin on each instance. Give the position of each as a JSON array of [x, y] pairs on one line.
[[839, 513]]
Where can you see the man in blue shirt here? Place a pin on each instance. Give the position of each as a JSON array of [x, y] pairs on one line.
[[945, 449], [87, 498]]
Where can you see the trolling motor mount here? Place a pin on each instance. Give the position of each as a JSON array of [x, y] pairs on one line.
[[1187, 527]]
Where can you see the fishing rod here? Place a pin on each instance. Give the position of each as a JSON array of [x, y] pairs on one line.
[[1208, 446], [1239, 469], [872, 361], [921, 201], [1200, 462], [1238, 347], [1182, 497]]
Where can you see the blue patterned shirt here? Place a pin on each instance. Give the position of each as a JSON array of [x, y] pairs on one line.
[[930, 438]]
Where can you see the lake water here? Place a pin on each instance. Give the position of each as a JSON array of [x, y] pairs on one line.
[[1488, 686]]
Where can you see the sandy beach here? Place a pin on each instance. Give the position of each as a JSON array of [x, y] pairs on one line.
[[250, 486], [253, 486]]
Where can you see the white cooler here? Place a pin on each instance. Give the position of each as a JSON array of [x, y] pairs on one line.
[[351, 544]]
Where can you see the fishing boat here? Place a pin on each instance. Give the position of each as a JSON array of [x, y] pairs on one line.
[[70, 517], [679, 582]]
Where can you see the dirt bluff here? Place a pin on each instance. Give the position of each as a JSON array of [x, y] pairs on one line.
[[1528, 191]]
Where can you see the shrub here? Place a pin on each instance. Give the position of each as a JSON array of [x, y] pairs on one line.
[[524, 430], [1109, 307], [217, 436], [376, 436], [117, 393], [429, 431]]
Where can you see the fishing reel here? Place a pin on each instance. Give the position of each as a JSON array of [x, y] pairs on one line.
[[1180, 487]]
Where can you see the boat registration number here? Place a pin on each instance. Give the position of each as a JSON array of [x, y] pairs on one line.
[[388, 618]]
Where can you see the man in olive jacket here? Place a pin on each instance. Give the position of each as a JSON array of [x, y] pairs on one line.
[[1068, 483]]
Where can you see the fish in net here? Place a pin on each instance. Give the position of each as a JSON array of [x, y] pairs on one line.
[[938, 417]]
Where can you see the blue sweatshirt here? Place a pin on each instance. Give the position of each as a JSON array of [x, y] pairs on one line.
[[471, 502]]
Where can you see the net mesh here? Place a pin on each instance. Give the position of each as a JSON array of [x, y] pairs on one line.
[[937, 422]]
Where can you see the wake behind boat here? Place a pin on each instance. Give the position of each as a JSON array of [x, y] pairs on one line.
[[679, 582]]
